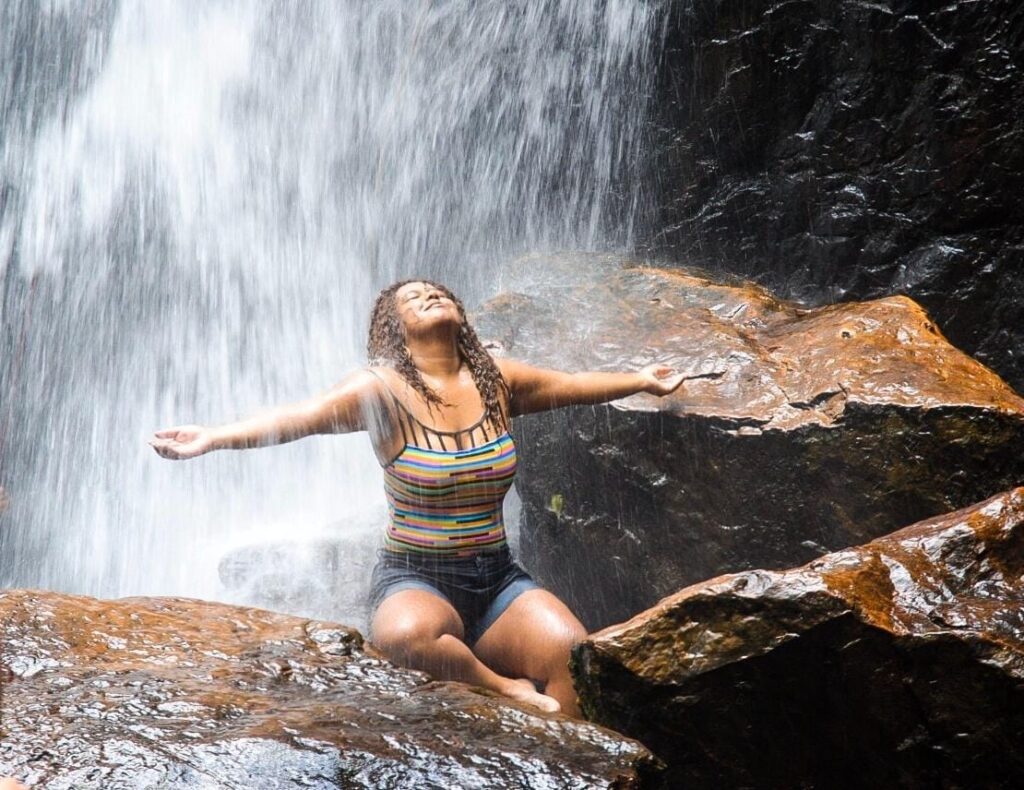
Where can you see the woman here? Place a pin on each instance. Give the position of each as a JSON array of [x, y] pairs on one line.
[[447, 597]]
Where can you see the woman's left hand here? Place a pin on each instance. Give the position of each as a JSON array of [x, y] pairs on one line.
[[660, 379]]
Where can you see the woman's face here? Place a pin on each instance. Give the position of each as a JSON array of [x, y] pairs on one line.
[[422, 305]]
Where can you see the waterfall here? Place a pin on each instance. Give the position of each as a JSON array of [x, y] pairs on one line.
[[200, 200]]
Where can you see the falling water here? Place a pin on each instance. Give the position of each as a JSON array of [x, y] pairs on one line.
[[199, 201]]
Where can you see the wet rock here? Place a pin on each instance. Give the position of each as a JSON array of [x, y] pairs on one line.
[[895, 664], [806, 431], [173, 693], [841, 150]]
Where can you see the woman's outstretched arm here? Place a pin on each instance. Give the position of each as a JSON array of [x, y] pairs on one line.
[[538, 389], [342, 409]]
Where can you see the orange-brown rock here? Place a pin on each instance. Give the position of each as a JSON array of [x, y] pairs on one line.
[[898, 663], [805, 431], [172, 693]]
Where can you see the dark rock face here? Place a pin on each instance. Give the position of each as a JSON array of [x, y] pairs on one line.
[[895, 664], [811, 430], [840, 150], [172, 693]]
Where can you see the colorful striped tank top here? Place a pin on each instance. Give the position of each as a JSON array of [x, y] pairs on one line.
[[447, 499]]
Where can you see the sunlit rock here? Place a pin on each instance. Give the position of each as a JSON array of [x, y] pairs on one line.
[[803, 431], [850, 150], [894, 664], [173, 693]]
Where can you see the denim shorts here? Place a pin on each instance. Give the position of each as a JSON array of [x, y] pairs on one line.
[[480, 587]]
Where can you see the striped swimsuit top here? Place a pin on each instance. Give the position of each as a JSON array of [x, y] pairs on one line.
[[445, 488]]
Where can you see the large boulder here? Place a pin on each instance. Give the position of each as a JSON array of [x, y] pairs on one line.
[[805, 431], [846, 150], [172, 693], [899, 663]]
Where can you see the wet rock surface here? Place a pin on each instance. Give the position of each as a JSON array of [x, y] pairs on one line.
[[174, 693], [840, 150], [806, 431], [894, 664]]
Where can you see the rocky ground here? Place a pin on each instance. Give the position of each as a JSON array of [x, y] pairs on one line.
[[169, 693]]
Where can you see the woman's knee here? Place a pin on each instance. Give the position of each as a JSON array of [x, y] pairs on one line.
[[534, 635], [559, 645], [560, 634], [409, 623], [560, 628], [402, 636]]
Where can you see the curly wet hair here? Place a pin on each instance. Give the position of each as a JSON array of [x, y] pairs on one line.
[[386, 346]]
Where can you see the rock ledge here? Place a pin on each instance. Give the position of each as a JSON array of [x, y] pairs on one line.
[[899, 662]]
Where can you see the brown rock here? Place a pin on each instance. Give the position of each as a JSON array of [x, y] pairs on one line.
[[173, 693], [895, 664], [809, 430]]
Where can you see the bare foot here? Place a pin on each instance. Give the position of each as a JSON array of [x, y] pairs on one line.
[[9, 783], [523, 690]]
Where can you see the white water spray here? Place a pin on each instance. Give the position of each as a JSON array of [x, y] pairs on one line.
[[195, 225]]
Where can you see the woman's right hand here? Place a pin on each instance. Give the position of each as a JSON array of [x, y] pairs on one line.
[[184, 441]]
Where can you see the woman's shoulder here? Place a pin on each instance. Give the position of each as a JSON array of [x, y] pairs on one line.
[[366, 383], [513, 371], [505, 365], [384, 377]]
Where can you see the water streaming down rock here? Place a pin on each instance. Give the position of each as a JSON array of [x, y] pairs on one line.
[[198, 202], [836, 151]]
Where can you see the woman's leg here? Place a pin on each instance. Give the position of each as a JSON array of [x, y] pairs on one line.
[[532, 638], [418, 629]]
